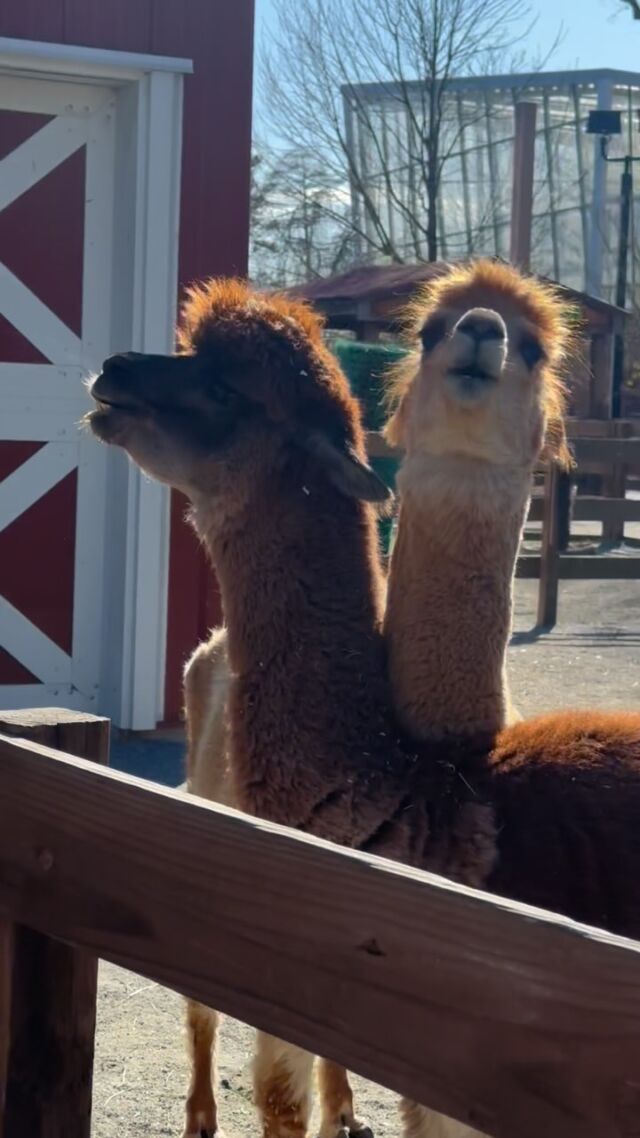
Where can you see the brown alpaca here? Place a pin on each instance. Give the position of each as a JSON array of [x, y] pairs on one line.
[[206, 684], [254, 422]]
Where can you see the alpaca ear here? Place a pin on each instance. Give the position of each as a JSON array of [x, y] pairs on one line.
[[555, 446], [348, 473]]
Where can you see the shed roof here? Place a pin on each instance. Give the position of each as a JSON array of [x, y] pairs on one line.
[[373, 292]]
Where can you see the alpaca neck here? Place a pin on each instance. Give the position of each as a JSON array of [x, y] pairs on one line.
[[302, 593], [449, 608]]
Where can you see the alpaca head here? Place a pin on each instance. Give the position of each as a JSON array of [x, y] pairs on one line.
[[484, 383], [253, 393]]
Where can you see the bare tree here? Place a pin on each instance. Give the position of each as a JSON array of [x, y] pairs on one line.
[[318, 67], [299, 218]]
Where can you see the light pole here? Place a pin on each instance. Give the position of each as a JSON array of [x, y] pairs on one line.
[[605, 124]]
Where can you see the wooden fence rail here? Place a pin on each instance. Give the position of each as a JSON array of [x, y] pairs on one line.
[[514, 1020], [555, 562]]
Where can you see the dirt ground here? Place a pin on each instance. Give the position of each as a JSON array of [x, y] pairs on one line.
[[591, 658]]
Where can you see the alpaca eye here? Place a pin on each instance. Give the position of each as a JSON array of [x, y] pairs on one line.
[[531, 351], [433, 331]]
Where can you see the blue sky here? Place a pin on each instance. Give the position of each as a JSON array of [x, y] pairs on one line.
[[598, 33]]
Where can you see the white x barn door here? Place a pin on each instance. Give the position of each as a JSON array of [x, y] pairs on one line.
[[56, 221]]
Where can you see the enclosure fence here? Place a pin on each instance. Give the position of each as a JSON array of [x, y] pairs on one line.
[[517, 1021], [608, 449]]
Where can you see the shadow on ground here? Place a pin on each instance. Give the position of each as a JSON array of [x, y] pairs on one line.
[[157, 760]]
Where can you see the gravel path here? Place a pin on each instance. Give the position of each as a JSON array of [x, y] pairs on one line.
[[592, 657]]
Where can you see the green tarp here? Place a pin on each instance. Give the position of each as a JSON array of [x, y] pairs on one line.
[[364, 366]]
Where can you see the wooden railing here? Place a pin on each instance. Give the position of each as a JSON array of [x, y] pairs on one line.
[[556, 562], [513, 1020]]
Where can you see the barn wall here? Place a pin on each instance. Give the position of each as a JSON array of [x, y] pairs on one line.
[[218, 37]]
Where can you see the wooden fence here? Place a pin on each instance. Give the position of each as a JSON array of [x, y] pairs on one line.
[[609, 449], [612, 459], [517, 1021]]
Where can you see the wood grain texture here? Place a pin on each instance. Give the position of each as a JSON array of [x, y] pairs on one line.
[[518, 1022], [47, 1021]]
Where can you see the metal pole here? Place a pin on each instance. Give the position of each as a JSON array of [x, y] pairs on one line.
[[522, 191], [626, 198]]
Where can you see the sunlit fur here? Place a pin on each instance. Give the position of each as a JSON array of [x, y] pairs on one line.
[[524, 303], [313, 738], [470, 446], [226, 320]]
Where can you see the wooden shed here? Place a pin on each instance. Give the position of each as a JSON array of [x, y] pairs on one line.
[[368, 301], [125, 133]]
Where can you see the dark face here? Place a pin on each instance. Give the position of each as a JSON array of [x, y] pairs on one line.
[[173, 389], [166, 413], [189, 427]]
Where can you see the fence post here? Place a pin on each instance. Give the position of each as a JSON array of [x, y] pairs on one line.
[[48, 989], [6, 959], [564, 510], [550, 550], [615, 486]]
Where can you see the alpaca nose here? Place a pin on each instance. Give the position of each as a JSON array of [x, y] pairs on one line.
[[481, 324], [122, 363]]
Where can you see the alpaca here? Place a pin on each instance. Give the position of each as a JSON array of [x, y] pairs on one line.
[[254, 422], [470, 409], [470, 412], [206, 683]]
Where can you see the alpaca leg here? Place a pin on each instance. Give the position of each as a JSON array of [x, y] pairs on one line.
[[336, 1104], [421, 1122], [282, 1087], [201, 1110]]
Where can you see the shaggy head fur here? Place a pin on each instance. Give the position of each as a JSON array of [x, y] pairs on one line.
[[485, 381], [253, 389]]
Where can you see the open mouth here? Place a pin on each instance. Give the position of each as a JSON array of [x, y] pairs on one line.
[[109, 415], [106, 404]]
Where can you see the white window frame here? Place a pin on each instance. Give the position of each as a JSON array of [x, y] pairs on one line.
[[149, 93]]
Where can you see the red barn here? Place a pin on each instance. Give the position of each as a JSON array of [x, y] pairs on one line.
[[125, 133]]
